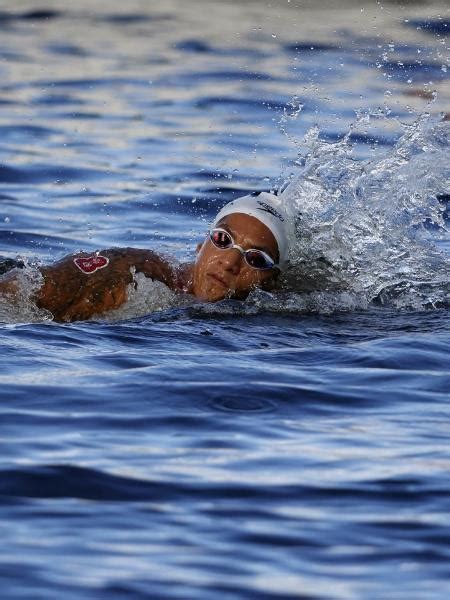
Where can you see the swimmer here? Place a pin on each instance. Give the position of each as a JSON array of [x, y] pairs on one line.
[[246, 248]]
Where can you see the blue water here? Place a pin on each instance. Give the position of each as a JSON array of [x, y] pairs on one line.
[[294, 446]]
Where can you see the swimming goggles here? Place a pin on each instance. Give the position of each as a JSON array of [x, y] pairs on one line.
[[257, 259]]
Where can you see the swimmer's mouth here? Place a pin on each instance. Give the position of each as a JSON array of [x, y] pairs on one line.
[[219, 280]]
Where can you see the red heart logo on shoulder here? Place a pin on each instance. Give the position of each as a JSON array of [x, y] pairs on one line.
[[90, 264]]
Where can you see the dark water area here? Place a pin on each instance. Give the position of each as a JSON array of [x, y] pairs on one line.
[[291, 446]]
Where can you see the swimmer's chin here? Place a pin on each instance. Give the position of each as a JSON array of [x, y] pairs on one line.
[[208, 296], [218, 290], [218, 295]]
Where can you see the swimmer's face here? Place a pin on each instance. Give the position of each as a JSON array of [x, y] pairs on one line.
[[222, 274]]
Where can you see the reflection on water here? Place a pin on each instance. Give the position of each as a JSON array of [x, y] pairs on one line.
[[236, 450]]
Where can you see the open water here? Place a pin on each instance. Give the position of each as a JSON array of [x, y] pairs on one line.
[[290, 446]]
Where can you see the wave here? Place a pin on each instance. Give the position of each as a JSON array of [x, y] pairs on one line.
[[68, 481]]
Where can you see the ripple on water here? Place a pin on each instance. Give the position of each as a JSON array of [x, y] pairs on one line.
[[233, 401]]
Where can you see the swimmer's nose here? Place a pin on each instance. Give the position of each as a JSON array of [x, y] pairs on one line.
[[231, 260]]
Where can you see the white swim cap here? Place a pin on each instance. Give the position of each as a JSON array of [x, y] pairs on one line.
[[268, 209]]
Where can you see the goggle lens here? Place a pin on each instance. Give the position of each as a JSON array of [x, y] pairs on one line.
[[257, 260], [221, 239]]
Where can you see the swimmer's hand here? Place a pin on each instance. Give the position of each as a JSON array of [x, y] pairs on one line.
[[72, 292]]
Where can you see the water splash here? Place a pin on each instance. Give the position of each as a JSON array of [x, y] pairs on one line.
[[145, 296], [368, 230], [19, 307], [291, 113]]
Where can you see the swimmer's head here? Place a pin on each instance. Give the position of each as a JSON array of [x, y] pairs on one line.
[[268, 209], [246, 248]]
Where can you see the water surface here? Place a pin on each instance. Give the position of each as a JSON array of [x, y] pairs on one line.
[[294, 446]]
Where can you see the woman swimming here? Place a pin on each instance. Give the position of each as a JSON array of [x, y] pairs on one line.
[[246, 248]]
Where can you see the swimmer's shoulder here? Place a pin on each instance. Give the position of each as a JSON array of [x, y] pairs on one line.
[[140, 260]]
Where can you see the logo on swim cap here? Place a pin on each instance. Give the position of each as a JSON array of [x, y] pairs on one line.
[[269, 209]]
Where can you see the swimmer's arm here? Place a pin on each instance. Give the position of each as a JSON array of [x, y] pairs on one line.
[[152, 265]]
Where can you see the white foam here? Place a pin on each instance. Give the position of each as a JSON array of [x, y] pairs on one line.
[[145, 296]]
